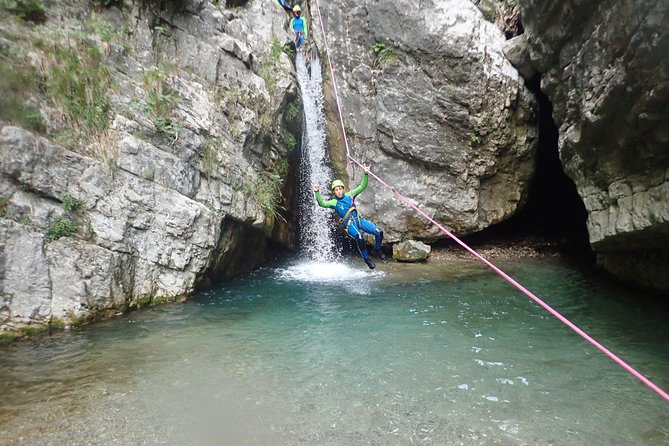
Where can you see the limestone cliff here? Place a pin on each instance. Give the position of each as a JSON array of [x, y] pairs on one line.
[[432, 102], [605, 68], [157, 156]]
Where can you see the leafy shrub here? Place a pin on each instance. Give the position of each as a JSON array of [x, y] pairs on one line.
[[385, 54], [61, 227], [71, 204], [292, 112]]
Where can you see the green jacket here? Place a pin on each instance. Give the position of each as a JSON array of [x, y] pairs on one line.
[[343, 204], [300, 24]]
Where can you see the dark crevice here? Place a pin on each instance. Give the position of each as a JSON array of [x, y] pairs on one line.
[[235, 3], [554, 211]]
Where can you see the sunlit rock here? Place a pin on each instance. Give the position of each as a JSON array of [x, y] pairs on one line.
[[431, 101], [411, 251]]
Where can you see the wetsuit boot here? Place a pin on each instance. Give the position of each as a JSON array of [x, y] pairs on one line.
[[378, 236], [370, 263]]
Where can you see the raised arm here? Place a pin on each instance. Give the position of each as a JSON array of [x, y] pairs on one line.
[[322, 202], [363, 184]]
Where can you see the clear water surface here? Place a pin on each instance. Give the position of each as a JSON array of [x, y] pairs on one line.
[[333, 354]]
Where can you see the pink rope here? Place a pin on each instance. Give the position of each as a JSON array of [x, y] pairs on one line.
[[508, 278]]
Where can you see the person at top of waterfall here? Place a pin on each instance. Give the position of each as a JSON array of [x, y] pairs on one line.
[[299, 25], [285, 5], [354, 225]]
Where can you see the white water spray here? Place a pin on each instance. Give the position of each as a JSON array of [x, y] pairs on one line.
[[316, 224]]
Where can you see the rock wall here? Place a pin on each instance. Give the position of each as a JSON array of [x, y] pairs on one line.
[[185, 183], [430, 100], [605, 68]]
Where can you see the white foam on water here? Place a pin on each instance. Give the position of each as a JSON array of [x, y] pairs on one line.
[[327, 272]]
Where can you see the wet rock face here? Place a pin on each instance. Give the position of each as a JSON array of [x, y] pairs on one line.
[[430, 100], [605, 68], [171, 196]]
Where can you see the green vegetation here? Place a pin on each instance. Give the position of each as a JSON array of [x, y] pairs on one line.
[[163, 30], [262, 109], [281, 168], [268, 193], [289, 50], [7, 337], [105, 31], [234, 131], [61, 227], [385, 55], [490, 16], [266, 121], [140, 301], [209, 157], [267, 190], [4, 206], [71, 204], [161, 101], [25, 221], [56, 323], [28, 10], [76, 82], [289, 139], [74, 319], [268, 74], [19, 82], [276, 48], [292, 112], [350, 131]]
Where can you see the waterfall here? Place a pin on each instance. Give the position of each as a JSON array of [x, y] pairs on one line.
[[317, 226]]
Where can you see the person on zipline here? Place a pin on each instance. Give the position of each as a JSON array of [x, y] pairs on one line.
[[299, 25], [285, 5], [353, 223]]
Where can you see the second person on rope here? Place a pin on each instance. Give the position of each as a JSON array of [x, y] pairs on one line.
[[299, 25], [353, 223]]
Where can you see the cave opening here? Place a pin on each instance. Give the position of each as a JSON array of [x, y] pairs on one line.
[[554, 212]]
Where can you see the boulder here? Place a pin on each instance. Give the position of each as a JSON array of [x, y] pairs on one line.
[[411, 251], [437, 108]]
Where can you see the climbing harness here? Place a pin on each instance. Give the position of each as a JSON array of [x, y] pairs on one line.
[[343, 219], [299, 39], [508, 278]]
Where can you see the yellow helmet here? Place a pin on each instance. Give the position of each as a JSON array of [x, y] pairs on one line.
[[297, 8], [337, 183]]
